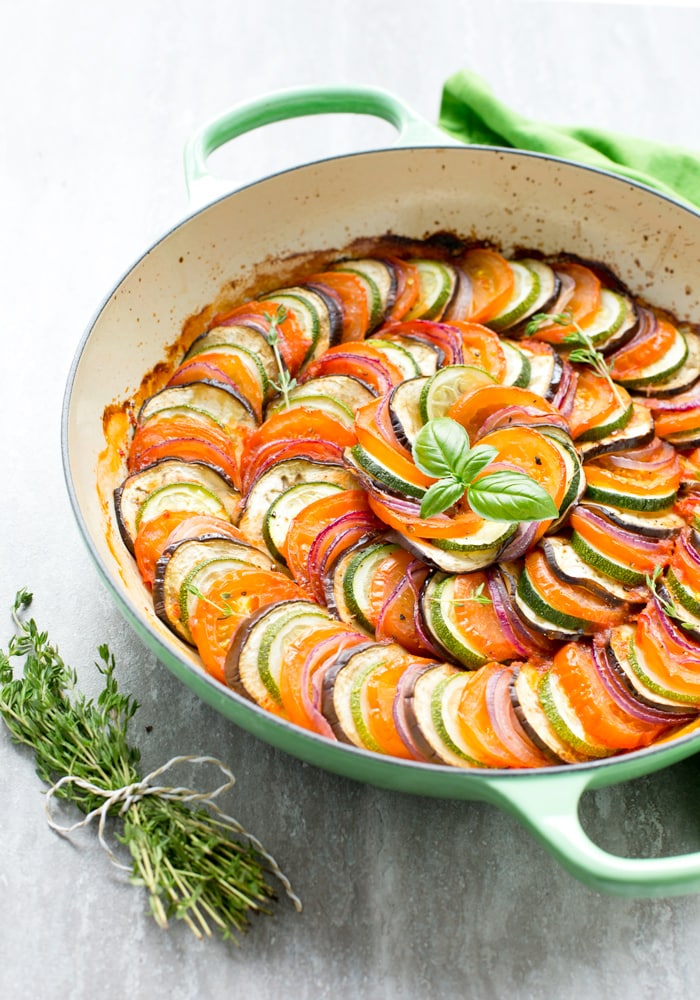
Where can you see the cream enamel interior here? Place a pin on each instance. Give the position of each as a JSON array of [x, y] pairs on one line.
[[511, 198]]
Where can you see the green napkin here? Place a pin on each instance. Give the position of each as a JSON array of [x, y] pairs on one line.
[[471, 113]]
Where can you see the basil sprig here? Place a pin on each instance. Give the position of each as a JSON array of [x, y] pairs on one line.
[[441, 449]]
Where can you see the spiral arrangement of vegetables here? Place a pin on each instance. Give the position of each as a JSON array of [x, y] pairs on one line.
[[442, 509]]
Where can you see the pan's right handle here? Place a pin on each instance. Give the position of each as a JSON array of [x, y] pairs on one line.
[[548, 805], [204, 187]]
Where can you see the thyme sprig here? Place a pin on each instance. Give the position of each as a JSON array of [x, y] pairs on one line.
[[584, 350], [667, 606], [196, 864], [285, 382]]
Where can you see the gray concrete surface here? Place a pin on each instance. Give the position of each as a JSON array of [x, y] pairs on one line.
[[404, 898]]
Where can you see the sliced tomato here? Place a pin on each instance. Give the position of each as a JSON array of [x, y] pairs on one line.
[[408, 287], [415, 526], [492, 282], [361, 361], [279, 451], [677, 421], [668, 661], [582, 305], [379, 693], [639, 354], [482, 348], [595, 401], [399, 618], [299, 422], [604, 722], [227, 602], [351, 291], [226, 368], [473, 408], [152, 538], [569, 599], [386, 577], [476, 619], [291, 677], [475, 723], [534, 454], [194, 427], [311, 520], [640, 483], [372, 438]]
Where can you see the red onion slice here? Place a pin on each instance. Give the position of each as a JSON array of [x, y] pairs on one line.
[[505, 723]]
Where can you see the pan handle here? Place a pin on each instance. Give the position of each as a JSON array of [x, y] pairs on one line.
[[203, 186], [548, 806]]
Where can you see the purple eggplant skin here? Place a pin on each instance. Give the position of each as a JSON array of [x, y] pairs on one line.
[[330, 676]]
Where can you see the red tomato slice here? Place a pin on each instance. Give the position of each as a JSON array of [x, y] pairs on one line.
[[473, 408], [407, 291]]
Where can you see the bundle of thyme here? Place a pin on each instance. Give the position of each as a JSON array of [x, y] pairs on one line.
[[196, 864]]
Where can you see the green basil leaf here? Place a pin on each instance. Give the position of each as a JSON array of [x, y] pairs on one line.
[[472, 462], [438, 447], [510, 496], [440, 496]]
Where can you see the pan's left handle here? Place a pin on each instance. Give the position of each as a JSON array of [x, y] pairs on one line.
[[203, 187]]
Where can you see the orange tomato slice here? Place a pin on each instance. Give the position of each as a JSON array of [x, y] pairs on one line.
[[568, 598], [634, 357], [473, 408], [492, 282], [534, 454], [407, 290], [476, 619], [482, 348], [380, 692], [583, 304], [594, 402], [601, 718], [226, 603], [351, 292]]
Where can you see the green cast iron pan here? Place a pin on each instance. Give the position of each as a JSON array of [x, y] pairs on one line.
[[423, 185]]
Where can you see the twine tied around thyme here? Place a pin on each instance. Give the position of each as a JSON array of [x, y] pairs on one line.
[[128, 795]]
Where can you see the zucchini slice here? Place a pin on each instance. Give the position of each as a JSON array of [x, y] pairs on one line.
[[637, 431], [614, 323], [345, 389], [381, 285], [282, 510], [570, 567], [228, 408], [343, 700], [430, 705], [278, 478], [563, 719], [256, 656], [437, 609], [525, 697], [661, 370], [194, 486], [356, 581], [241, 336], [437, 283], [399, 355], [518, 367], [446, 386], [536, 287], [188, 566]]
